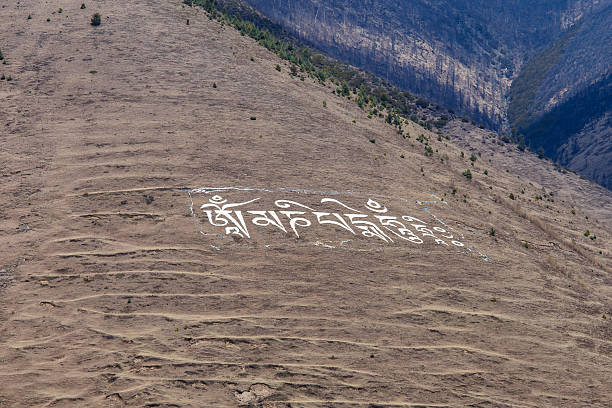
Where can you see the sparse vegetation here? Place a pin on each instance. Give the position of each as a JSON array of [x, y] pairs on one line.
[[324, 104], [492, 232], [96, 19], [83, 7], [372, 94], [253, 118], [511, 196], [278, 68], [467, 174], [214, 85]]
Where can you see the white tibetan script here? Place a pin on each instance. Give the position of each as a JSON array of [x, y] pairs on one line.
[[373, 221]]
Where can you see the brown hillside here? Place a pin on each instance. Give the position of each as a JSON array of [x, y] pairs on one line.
[[116, 290]]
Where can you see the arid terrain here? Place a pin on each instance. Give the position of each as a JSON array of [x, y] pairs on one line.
[[116, 290]]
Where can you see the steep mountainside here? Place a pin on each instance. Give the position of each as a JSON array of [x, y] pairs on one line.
[[545, 57], [562, 99], [186, 222], [462, 54]]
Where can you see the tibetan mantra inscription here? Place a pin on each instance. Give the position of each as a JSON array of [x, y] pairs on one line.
[[245, 212]]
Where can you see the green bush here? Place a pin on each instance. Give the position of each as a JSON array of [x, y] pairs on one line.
[[423, 103], [278, 68], [83, 7], [468, 174], [1, 55], [511, 196], [96, 19], [541, 152]]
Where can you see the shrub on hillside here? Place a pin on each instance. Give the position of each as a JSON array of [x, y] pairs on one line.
[[96, 19]]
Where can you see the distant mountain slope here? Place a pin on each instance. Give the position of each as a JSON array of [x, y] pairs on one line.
[[462, 54], [562, 99]]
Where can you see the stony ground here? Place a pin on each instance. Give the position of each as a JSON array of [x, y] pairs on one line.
[[115, 293]]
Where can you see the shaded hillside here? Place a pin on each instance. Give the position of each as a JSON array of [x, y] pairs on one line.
[[579, 127], [562, 97], [373, 268], [461, 54]]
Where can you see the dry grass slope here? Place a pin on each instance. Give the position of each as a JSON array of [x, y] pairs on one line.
[[112, 297]]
